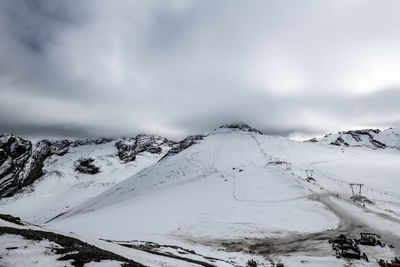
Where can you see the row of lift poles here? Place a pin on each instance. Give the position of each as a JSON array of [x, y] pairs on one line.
[[355, 188]]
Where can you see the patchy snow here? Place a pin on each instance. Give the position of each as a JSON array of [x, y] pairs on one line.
[[17, 251]]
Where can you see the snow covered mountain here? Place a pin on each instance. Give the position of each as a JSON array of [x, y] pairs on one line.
[[232, 197], [49, 177], [373, 138]]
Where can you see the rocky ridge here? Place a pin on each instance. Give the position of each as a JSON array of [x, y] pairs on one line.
[[129, 148], [182, 145], [372, 138], [21, 161], [240, 126]]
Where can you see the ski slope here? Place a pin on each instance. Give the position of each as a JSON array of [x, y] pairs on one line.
[[220, 188]]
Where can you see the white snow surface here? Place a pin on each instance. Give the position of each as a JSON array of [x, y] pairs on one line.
[[220, 188]]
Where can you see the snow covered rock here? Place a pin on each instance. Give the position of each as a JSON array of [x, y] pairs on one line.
[[14, 153], [21, 162], [373, 138], [240, 126], [85, 165], [182, 145], [128, 148], [91, 142]]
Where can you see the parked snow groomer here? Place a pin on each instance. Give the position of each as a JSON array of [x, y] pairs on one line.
[[347, 248], [370, 239]]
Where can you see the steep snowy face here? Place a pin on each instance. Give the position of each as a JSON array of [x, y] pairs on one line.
[[373, 138]]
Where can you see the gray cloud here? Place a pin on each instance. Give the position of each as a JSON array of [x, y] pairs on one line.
[[77, 68]]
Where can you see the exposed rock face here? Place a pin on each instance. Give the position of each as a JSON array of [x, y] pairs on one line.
[[128, 148], [182, 145], [14, 153], [91, 142], [21, 163], [85, 165], [369, 133], [373, 138], [240, 126], [340, 142]]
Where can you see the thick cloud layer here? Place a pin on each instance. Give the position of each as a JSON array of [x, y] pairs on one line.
[[109, 68]]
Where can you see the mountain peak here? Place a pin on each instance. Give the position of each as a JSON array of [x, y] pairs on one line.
[[239, 126]]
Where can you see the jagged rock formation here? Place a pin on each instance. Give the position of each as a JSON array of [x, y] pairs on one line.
[[128, 148], [373, 138], [91, 142], [240, 126], [182, 145], [21, 163], [85, 165]]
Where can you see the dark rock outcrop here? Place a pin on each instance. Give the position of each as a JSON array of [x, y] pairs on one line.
[[85, 165], [21, 163], [14, 153], [182, 145], [357, 136], [84, 142], [241, 126], [339, 142], [128, 148]]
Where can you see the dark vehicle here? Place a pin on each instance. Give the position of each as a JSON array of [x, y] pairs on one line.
[[347, 248], [342, 242], [370, 239], [251, 263], [341, 239], [348, 253], [351, 254]]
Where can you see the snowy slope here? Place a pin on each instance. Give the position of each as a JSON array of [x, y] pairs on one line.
[[62, 187], [373, 138], [225, 198], [233, 190], [219, 188]]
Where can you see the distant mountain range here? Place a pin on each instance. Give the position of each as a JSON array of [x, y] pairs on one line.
[[22, 162]]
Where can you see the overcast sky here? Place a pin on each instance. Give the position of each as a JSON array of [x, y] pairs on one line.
[[174, 68]]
